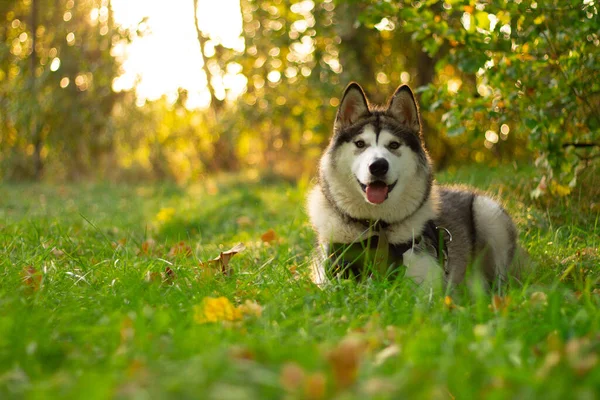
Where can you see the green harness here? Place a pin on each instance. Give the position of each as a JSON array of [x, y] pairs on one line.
[[376, 254]]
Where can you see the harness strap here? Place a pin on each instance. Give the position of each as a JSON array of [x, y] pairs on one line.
[[351, 254]]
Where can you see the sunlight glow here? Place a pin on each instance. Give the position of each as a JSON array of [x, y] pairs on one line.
[[168, 57]]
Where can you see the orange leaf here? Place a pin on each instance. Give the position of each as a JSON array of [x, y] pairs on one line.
[[314, 388], [500, 303], [241, 353], [147, 245], [345, 360], [31, 277], [292, 376], [180, 248], [269, 236]]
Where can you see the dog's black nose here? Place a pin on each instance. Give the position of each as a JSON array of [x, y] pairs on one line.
[[379, 167]]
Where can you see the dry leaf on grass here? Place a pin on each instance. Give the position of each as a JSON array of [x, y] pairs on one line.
[[31, 277], [388, 352], [180, 249], [292, 376], [147, 246], [241, 353], [221, 262], [581, 355], [269, 236], [244, 221], [58, 253], [499, 303], [168, 276], [345, 360], [538, 299], [315, 386]]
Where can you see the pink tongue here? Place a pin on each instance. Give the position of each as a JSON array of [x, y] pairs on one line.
[[377, 193]]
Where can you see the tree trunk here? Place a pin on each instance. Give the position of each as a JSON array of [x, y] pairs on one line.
[[224, 155], [36, 131]]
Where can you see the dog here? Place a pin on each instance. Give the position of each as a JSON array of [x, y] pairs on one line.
[[377, 207]]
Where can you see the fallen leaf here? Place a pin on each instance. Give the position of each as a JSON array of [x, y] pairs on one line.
[[241, 353], [169, 275], [377, 387], [499, 303], [180, 249], [251, 308], [31, 277], [221, 263], [244, 221], [165, 214], [345, 360], [481, 330], [315, 386], [215, 309], [580, 355], [57, 252], [292, 376], [449, 303], [538, 299], [388, 352], [147, 245], [152, 276], [269, 236], [552, 359]]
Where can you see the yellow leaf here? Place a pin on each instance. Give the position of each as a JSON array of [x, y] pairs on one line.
[[449, 303], [165, 214], [215, 309], [559, 190]]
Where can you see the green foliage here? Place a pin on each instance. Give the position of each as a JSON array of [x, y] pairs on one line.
[[497, 82], [101, 324], [526, 69], [57, 101]]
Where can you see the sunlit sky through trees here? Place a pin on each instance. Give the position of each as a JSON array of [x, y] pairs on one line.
[[168, 57]]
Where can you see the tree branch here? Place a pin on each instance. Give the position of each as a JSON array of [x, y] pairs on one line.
[[215, 103]]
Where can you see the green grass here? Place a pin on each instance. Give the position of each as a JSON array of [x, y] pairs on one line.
[[99, 322]]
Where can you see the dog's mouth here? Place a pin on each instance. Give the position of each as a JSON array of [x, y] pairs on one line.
[[377, 191]]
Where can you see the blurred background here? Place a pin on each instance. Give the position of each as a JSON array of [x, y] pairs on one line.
[[149, 90]]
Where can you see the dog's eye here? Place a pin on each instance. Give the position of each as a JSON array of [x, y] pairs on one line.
[[394, 145], [360, 144]]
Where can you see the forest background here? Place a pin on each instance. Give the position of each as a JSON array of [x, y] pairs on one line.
[[497, 82]]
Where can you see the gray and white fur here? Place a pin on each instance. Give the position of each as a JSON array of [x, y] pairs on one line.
[[376, 168]]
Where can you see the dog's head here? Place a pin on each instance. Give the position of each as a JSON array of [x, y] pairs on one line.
[[375, 153]]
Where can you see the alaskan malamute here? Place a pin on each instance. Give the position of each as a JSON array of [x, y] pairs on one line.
[[376, 204]]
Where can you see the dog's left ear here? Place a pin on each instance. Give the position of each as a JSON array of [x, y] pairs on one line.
[[403, 107]]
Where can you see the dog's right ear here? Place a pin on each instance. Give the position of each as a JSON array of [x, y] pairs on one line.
[[354, 105]]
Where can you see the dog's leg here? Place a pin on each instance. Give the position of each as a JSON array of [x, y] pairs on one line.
[[317, 266], [496, 235]]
